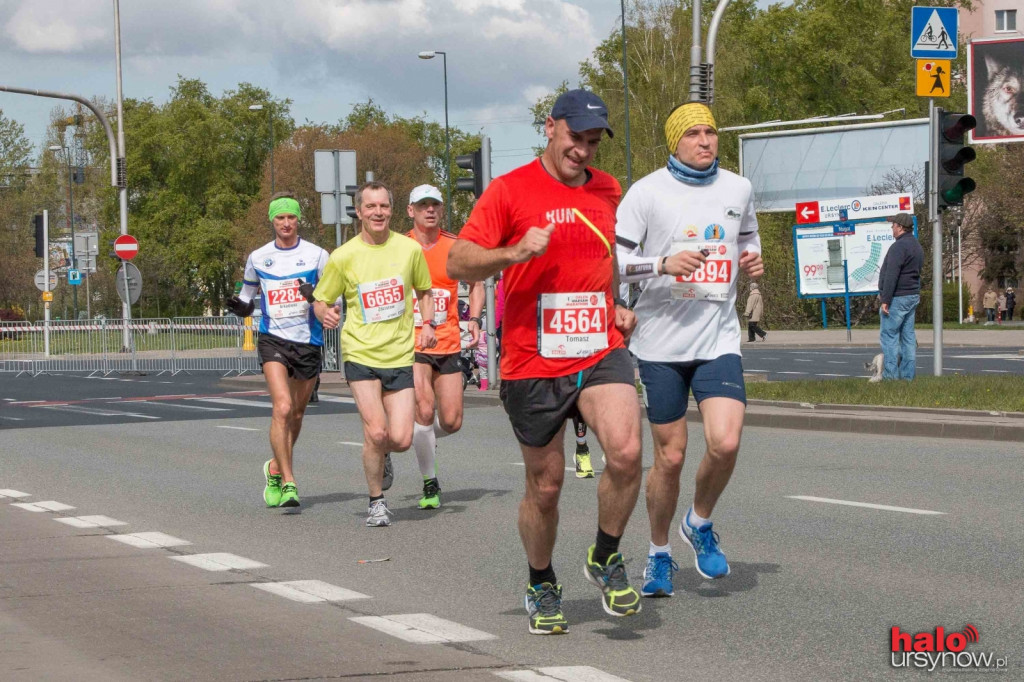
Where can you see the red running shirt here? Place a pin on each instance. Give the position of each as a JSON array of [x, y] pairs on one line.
[[577, 259]]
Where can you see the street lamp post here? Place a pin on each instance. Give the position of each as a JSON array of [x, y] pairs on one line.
[[270, 124], [430, 54], [71, 218], [625, 89]]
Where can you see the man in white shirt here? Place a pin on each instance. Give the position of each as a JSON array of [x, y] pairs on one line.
[[684, 231]]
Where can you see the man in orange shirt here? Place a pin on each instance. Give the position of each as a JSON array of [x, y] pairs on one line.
[[436, 372]]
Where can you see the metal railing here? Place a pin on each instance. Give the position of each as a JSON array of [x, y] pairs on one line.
[[157, 345]]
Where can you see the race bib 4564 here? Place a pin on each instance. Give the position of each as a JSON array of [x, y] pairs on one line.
[[572, 325]]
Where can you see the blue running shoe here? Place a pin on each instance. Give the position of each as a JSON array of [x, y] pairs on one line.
[[703, 541], [658, 575]]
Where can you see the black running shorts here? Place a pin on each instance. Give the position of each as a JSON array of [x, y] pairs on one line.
[[303, 360], [538, 408], [394, 379], [442, 364]]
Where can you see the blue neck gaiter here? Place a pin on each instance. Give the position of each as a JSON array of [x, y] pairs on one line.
[[691, 176]]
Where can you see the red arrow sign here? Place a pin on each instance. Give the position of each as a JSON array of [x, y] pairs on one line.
[[126, 247], [807, 212]]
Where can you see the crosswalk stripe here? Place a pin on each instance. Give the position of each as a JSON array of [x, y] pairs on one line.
[[46, 506], [422, 628], [168, 403], [149, 540], [16, 494], [96, 412], [234, 401], [868, 505], [309, 591], [90, 521], [569, 673], [219, 561]]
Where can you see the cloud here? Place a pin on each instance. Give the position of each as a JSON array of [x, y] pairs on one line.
[[495, 48]]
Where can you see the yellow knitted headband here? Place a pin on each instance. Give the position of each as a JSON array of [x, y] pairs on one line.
[[683, 118]]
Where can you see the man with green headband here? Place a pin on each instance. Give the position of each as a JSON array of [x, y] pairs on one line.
[[291, 339]]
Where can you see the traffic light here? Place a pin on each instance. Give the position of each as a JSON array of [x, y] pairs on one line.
[[953, 155], [40, 236], [479, 165], [350, 210]]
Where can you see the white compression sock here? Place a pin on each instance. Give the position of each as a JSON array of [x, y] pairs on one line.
[[438, 431], [424, 442], [694, 520], [667, 549]]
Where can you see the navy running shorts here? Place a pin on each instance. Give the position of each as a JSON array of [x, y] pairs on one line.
[[667, 385]]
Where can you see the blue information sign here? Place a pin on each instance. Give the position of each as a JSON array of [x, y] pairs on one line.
[[933, 32], [74, 276]]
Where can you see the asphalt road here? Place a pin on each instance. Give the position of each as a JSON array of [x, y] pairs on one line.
[[837, 362], [815, 587]]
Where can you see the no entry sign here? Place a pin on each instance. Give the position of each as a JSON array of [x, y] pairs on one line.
[[126, 247]]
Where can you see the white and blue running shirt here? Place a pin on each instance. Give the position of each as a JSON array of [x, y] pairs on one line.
[[278, 273]]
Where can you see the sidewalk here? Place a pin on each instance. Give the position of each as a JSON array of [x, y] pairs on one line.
[[869, 337], [892, 421]]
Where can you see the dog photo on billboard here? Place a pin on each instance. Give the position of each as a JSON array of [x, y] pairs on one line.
[[997, 89]]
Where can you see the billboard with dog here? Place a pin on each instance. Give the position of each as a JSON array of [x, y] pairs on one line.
[[995, 89]]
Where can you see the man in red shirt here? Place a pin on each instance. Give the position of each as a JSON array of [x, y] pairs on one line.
[[550, 225], [437, 372]]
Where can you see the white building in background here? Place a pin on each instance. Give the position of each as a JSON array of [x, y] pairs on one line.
[[993, 19]]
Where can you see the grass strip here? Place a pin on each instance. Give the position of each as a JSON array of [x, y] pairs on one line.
[[1002, 393]]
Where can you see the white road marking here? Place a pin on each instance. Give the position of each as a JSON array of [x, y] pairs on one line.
[[96, 412], [219, 561], [149, 540], [831, 375], [179, 405], [755, 370], [237, 428], [16, 494], [791, 372], [569, 673], [309, 591], [336, 399], [422, 628], [836, 362], [90, 521], [49, 505], [235, 401], [14, 419], [997, 371], [349, 442], [10, 400], [994, 356], [868, 505], [799, 360]]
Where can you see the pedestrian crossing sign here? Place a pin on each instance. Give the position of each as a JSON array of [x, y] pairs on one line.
[[933, 77], [933, 32]]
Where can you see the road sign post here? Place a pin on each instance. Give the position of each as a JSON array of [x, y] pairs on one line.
[[334, 170], [126, 247]]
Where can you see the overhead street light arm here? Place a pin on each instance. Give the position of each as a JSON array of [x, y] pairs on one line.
[[114, 159]]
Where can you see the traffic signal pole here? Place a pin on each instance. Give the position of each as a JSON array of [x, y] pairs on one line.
[[935, 218]]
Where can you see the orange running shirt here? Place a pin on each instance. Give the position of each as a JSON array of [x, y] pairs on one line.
[[446, 298], [577, 260]]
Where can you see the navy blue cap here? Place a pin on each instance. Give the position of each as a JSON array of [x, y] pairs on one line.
[[582, 110]]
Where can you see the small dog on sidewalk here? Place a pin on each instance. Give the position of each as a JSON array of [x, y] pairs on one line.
[[876, 368]]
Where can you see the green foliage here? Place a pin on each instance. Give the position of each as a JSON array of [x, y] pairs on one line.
[[950, 303]]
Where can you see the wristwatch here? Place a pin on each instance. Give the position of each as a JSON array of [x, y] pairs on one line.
[[475, 319], [432, 324]]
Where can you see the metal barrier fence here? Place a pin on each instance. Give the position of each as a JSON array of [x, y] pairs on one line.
[[182, 344]]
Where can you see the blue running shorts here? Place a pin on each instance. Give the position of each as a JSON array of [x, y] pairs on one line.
[[667, 385]]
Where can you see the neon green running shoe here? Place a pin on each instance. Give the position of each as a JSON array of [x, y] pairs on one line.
[[584, 469], [289, 495], [544, 604], [272, 493], [617, 596], [431, 494]]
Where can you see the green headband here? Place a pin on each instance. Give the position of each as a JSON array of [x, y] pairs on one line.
[[284, 205]]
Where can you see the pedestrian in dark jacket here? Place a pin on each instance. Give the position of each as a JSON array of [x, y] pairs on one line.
[[1011, 302], [899, 288]]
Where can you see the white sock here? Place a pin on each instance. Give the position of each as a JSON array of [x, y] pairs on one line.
[[694, 520], [438, 431], [424, 443], [581, 441], [667, 549]]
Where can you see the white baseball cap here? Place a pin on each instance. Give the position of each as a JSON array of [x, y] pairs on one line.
[[422, 192]]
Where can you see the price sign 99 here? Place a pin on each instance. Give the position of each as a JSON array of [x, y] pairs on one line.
[[814, 270]]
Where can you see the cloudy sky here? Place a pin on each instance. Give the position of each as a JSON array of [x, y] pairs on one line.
[[325, 55]]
